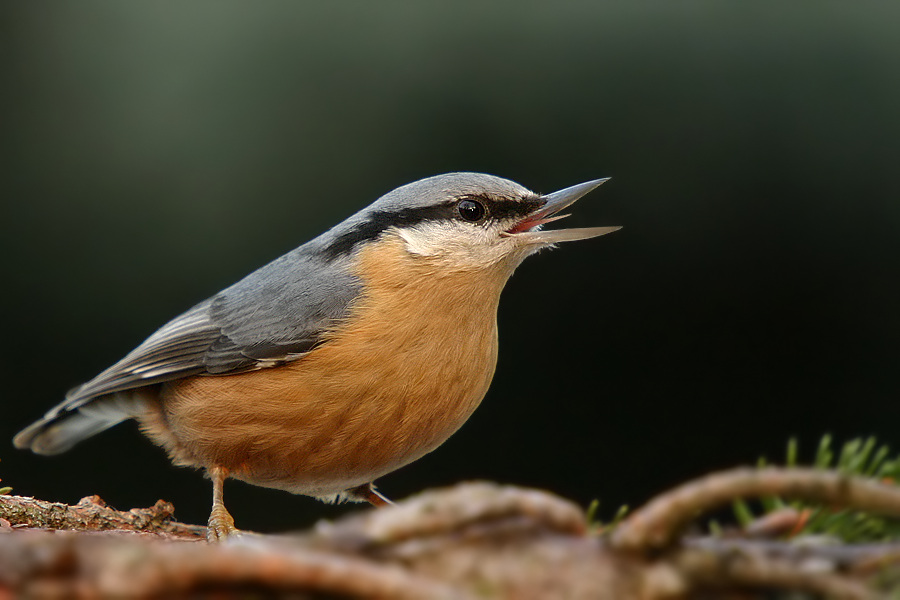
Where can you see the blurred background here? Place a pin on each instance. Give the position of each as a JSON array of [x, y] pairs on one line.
[[153, 153]]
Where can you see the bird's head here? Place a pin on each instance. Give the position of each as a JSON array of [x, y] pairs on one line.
[[466, 221]]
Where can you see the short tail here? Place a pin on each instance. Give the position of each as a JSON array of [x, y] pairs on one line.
[[63, 427]]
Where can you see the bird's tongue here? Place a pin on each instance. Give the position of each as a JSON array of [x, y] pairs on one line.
[[531, 222]]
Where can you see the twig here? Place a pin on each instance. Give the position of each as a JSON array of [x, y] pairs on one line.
[[657, 524], [92, 514], [450, 511], [114, 564], [822, 570]]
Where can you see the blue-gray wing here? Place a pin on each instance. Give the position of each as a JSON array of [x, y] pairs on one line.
[[273, 316]]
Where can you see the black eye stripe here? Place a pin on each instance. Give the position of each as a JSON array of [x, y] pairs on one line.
[[502, 209], [379, 221]]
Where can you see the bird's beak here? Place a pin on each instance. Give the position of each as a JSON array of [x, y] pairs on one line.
[[525, 230]]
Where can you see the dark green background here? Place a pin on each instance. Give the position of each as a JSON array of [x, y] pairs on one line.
[[155, 152]]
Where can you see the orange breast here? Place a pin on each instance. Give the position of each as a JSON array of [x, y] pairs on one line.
[[406, 369]]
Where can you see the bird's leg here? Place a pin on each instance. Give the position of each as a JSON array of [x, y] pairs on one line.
[[221, 523], [368, 493]]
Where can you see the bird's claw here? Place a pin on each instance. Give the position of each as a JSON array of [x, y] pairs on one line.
[[221, 526]]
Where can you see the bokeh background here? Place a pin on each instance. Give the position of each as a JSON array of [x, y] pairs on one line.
[[155, 152]]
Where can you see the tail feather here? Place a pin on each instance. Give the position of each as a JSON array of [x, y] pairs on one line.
[[58, 431]]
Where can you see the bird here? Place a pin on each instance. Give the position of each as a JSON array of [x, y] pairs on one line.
[[339, 362]]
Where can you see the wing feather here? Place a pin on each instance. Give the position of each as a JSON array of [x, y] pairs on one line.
[[274, 315]]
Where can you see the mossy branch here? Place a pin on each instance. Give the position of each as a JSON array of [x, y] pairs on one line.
[[477, 540], [658, 523]]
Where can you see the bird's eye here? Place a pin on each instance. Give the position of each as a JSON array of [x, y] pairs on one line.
[[470, 210]]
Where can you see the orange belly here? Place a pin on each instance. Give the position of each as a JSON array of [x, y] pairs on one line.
[[407, 368]]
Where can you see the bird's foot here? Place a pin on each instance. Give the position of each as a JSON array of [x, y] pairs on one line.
[[368, 493], [221, 525]]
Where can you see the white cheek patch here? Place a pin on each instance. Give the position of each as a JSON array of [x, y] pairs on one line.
[[422, 239], [462, 245], [445, 238]]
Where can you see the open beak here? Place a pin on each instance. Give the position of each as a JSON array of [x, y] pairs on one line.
[[525, 230]]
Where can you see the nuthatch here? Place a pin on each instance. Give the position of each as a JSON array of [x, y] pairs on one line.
[[343, 360]]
